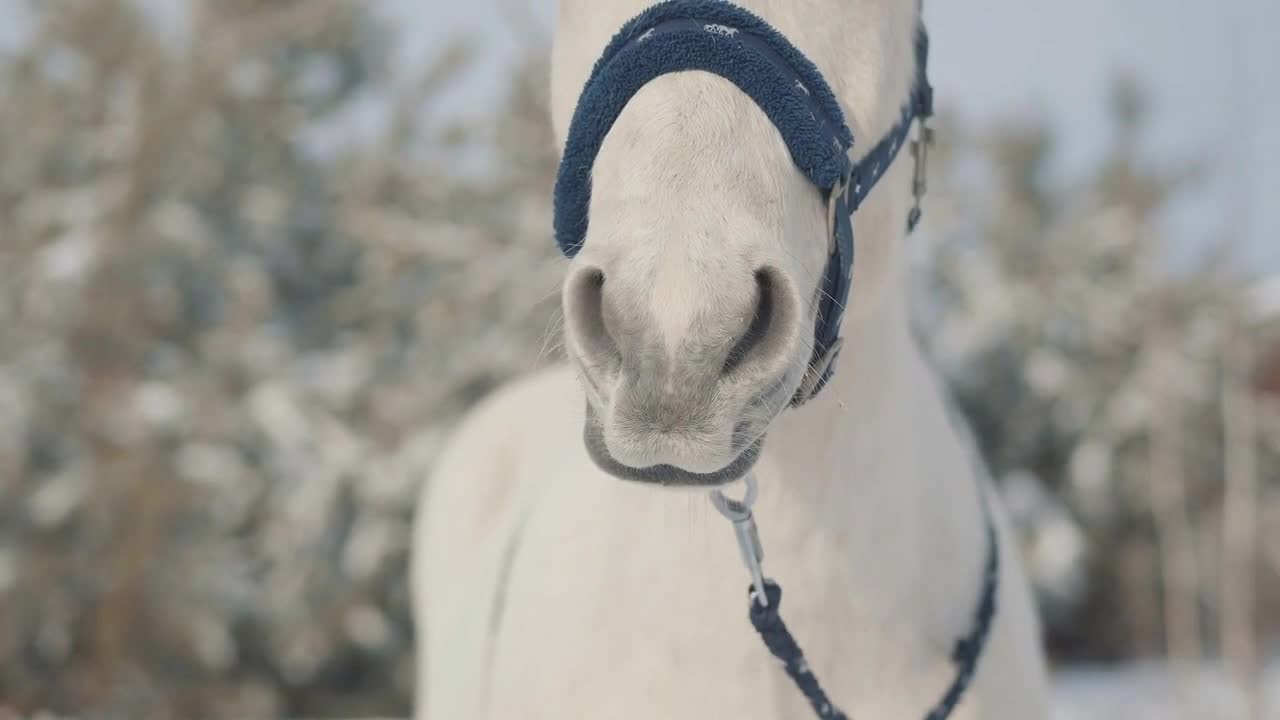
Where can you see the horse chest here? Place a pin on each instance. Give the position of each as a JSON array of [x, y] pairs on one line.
[[632, 604]]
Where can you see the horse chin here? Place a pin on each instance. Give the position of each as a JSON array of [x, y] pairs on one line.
[[665, 475]]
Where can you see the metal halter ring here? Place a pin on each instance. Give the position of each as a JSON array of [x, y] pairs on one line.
[[737, 510]]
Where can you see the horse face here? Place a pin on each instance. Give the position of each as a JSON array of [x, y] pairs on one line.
[[690, 309]]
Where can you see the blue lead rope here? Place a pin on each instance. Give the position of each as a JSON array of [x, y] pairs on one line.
[[778, 639], [968, 649], [767, 620]]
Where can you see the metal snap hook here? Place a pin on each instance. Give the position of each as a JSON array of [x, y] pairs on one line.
[[738, 512]]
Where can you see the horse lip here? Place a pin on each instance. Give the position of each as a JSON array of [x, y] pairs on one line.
[[665, 475]]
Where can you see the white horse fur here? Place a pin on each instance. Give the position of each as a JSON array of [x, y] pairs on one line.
[[546, 588]]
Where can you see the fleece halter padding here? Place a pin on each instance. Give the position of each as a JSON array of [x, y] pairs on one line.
[[726, 40], [715, 37]]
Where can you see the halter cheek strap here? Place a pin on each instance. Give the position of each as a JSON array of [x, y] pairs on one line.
[[843, 200], [720, 38]]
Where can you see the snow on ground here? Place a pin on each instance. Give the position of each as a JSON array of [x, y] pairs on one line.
[[1149, 691], [1138, 691]]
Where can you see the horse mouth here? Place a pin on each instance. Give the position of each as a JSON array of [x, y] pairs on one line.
[[666, 475]]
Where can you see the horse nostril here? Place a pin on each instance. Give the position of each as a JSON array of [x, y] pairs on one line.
[[758, 329], [585, 321]]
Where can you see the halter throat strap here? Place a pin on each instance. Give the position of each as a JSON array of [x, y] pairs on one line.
[[723, 39]]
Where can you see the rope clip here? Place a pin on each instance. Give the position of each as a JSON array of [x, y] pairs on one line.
[[738, 512], [920, 153]]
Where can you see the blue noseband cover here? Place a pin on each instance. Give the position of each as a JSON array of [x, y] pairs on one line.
[[718, 38], [723, 39]]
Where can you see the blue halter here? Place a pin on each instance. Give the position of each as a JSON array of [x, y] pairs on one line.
[[726, 40]]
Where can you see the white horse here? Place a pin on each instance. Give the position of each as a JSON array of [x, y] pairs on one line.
[[546, 588]]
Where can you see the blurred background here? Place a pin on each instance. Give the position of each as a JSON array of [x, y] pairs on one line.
[[256, 256]]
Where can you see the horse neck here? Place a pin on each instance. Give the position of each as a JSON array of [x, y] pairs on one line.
[[873, 471], [863, 423]]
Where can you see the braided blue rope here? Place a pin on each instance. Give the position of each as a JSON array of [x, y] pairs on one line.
[[778, 639], [968, 649]]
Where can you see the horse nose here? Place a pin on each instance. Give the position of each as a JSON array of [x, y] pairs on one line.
[[728, 337], [586, 329], [672, 376], [761, 326]]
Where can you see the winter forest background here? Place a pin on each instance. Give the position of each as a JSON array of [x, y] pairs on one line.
[[249, 275]]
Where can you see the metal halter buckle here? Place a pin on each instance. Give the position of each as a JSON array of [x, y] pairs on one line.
[[833, 200], [738, 512], [920, 151]]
